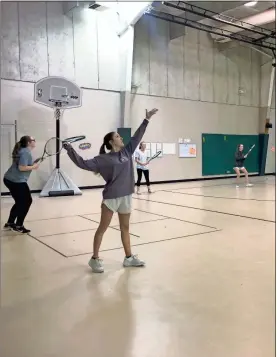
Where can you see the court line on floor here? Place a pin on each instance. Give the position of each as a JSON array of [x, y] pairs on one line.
[[220, 197], [177, 219], [146, 243], [46, 245], [150, 220], [160, 219], [222, 184], [70, 216], [62, 233], [38, 238], [206, 210], [112, 227], [214, 229]]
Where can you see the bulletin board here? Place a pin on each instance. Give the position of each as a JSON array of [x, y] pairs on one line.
[[187, 150]]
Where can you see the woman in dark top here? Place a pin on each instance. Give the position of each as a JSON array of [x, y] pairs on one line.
[[15, 179], [240, 157]]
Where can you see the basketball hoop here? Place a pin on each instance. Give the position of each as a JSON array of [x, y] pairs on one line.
[[59, 94]]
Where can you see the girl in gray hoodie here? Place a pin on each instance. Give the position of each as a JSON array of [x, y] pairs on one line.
[[116, 168]]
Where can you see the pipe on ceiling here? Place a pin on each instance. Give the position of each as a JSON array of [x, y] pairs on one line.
[[263, 18]]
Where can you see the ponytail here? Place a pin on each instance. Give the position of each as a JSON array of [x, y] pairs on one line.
[[22, 143], [15, 151], [106, 143], [101, 152], [102, 149]]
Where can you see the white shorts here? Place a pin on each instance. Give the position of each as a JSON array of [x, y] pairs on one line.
[[240, 168], [122, 205]]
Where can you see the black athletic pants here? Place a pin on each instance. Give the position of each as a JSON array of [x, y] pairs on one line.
[[21, 194], [146, 175]]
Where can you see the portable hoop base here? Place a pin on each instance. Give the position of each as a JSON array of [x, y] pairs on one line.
[[59, 184]]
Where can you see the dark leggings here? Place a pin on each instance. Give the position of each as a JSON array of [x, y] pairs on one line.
[[21, 194], [146, 175]]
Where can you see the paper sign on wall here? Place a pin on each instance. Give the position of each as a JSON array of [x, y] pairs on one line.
[[169, 148], [180, 140], [187, 150]]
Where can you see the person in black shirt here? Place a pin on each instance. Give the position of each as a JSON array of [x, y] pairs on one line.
[[240, 157]]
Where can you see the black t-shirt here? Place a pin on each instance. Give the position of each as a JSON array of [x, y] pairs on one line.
[[239, 158]]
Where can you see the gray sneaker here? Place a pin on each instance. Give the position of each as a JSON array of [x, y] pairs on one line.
[[133, 261], [96, 265]]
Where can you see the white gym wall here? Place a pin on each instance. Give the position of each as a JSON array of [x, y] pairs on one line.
[[194, 83], [206, 80], [39, 40]]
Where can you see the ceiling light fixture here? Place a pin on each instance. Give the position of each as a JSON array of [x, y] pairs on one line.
[[251, 3]]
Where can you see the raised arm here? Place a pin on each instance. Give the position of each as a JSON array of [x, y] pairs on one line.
[[136, 138], [89, 165]]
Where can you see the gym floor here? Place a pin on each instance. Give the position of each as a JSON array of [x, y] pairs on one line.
[[208, 289]]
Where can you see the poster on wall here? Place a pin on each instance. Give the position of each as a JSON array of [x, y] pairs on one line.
[[169, 148], [187, 150]]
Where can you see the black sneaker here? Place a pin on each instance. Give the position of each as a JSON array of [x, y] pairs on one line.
[[21, 229], [9, 226]]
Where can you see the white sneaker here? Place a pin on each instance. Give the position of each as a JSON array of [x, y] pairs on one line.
[[249, 185], [237, 186], [96, 265], [133, 261]]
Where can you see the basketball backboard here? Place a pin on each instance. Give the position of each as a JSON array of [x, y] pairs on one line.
[[57, 92]]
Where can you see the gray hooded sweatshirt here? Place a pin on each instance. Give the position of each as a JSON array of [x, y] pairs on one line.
[[116, 168]]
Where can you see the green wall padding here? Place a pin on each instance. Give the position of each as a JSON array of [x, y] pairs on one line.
[[263, 138], [218, 153], [125, 133]]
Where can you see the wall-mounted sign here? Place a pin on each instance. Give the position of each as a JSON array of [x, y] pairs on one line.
[[187, 150], [84, 146]]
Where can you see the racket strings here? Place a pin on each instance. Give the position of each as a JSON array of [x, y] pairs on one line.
[[51, 146]]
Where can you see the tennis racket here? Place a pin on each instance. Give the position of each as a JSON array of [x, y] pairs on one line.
[[154, 156], [249, 151], [50, 147]]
